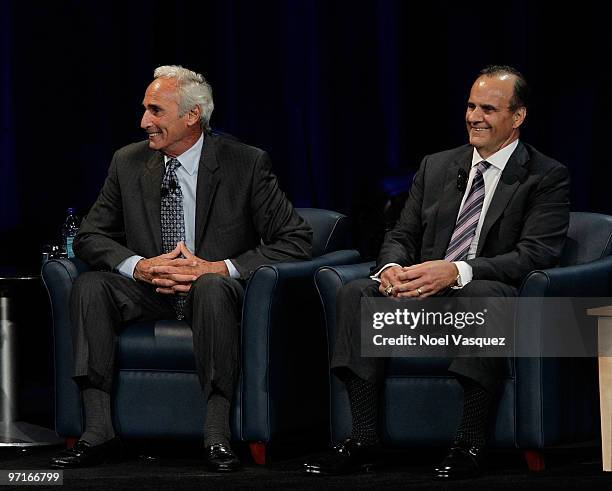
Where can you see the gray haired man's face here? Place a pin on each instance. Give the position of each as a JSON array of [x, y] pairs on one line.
[[167, 131]]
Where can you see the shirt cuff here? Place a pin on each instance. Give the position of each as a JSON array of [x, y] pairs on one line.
[[465, 272], [233, 272], [126, 267], [376, 276]]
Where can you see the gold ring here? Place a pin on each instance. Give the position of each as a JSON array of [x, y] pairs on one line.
[[419, 291], [388, 290]]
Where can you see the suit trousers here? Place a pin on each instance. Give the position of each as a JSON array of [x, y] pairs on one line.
[[102, 303], [347, 348]]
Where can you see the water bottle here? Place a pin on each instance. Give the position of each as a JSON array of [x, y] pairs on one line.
[[69, 231]]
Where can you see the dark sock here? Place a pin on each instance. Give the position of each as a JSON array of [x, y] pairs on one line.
[[363, 397], [216, 424], [98, 419], [476, 403]]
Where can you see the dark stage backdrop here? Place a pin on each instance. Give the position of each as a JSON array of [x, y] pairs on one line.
[[343, 94]]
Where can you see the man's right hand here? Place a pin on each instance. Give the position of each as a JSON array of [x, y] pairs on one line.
[[142, 270], [389, 277]]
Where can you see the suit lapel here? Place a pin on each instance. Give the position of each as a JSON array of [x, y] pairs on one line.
[[449, 203], [151, 179], [208, 181], [511, 177]]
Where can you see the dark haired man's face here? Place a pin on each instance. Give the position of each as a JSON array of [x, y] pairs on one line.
[[490, 123]]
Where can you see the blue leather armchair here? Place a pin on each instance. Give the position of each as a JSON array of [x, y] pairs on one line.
[[283, 351], [542, 401]]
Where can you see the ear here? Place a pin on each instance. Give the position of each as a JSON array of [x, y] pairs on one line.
[[519, 116], [193, 116]]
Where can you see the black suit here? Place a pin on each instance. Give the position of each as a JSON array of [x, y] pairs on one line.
[[524, 229], [241, 215]]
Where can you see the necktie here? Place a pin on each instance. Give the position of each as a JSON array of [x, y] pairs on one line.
[[172, 220], [467, 221]]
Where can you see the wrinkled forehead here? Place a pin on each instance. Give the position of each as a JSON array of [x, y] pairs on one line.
[[162, 90], [493, 89]]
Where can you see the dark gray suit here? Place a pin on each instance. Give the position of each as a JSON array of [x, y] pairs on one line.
[[524, 229], [241, 215]]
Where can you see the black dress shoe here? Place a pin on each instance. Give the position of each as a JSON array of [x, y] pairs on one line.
[[462, 462], [85, 455], [345, 458], [221, 458]]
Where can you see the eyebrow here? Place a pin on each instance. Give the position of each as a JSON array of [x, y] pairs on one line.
[[485, 107]]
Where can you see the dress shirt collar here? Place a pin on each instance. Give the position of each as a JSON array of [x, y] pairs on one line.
[[190, 159], [499, 159]]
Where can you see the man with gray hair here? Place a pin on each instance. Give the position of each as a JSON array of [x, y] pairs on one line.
[[182, 221]]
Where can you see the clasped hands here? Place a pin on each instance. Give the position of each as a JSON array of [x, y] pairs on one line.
[[174, 272], [419, 280]]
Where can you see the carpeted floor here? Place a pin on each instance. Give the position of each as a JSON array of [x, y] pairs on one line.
[[169, 468]]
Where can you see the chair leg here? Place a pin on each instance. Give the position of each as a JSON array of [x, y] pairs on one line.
[[535, 460], [71, 442], [258, 452]]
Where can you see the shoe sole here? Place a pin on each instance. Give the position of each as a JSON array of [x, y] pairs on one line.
[[232, 468], [363, 468]]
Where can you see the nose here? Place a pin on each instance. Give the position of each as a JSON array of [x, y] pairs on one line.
[[145, 122], [473, 115]]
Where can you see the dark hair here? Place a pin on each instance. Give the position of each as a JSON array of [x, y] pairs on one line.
[[520, 96]]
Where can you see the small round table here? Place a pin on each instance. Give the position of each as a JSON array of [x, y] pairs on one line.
[[14, 433]]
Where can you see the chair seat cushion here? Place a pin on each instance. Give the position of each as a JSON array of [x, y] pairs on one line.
[[411, 366], [165, 345]]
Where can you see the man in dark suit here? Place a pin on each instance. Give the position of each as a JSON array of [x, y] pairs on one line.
[[182, 221], [477, 220]]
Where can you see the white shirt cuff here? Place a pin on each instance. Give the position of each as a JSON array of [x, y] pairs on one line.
[[465, 271], [126, 267], [233, 272], [376, 276]]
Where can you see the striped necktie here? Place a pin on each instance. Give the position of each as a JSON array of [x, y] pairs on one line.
[[467, 221], [172, 220]]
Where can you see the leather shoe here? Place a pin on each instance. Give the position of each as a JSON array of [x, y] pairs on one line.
[[462, 462], [344, 458], [221, 458], [84, 454]]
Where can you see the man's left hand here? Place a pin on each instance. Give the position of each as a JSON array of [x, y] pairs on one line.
[[178, 276], [426, 279]]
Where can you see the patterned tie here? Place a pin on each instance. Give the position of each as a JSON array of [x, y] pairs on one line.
[[467, 221], [172, 220]]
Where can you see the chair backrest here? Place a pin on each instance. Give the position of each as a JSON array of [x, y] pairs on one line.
[[589, 238], [331, 230]]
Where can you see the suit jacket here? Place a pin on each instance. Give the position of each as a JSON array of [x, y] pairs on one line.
[[524, 228], [241, 213]]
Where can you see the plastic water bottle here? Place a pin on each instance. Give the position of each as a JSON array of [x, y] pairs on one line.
[[69, 231]]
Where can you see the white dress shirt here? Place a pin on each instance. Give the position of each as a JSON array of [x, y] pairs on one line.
[[187, 175], [491, 177]]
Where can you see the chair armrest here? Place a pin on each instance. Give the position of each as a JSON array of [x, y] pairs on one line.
[[341, 275], [592, 279], [543, 381], [328, 281], [284, 347], [537, 322], [58, 276]]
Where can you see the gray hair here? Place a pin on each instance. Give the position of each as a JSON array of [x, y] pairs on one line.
[[194, 90]]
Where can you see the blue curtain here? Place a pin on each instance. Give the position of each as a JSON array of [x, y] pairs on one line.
[[344, 95]]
